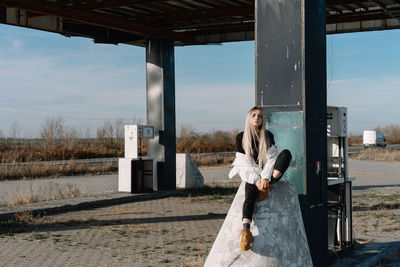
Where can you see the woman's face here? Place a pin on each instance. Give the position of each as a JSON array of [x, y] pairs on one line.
[[257, 118]]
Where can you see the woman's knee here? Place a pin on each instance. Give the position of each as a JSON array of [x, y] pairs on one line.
[[286, 154], [283, 161], [284, 157]]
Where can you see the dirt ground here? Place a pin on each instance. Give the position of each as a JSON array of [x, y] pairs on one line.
[[376, 213], [176, 231]]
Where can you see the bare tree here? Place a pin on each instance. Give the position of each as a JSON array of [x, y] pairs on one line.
[[105, 131], [119, 128], [87, 133], [71, 136], [114, 129], [15, 131], [52, 129], [83, 132], [391, 132], [135, 120], [187, 131]]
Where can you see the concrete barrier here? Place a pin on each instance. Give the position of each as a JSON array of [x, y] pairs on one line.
[[279, 235], [187, 173]]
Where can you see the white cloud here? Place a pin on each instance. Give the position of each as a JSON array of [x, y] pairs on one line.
[[347, 81], [37, 87]]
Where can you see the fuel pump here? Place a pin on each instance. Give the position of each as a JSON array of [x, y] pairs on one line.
[[339, 182], [135, 172]]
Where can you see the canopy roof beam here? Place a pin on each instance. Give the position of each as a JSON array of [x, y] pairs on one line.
[[94, 18]]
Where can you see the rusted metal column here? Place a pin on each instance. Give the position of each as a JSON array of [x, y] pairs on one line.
[[160, 95], [291, 89]]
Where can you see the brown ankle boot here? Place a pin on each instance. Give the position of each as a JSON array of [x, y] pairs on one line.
[[247, 239], [263, 195]]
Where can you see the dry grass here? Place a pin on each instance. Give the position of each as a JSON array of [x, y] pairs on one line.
[[112, 146], [22, 198], [355, 140], [195, 261], [213, 161], [161, 242], [173, 243], [51, 149], [391, 133], [374, 200], [55, 192], [23, 217], [15, 171], [216, 141], [67, 149], [376, 213], [64, 146], [44, 151], [378, 154]]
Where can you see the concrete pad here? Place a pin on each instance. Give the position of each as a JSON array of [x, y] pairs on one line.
[[277, 227], [187, 173]]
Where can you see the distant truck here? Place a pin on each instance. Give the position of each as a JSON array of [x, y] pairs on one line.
[[373, 138]]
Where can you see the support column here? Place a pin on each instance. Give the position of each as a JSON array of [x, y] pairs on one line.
[[291, 89], [160, 96]]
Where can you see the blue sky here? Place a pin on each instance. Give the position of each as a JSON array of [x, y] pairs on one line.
[[48, 75]]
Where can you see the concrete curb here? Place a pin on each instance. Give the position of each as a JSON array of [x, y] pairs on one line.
[[63, 208]]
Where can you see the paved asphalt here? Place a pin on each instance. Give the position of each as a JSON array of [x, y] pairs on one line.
[[374, 175], [110, 236]]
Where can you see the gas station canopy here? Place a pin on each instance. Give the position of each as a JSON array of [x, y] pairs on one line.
[[290, 53], [187, 22]]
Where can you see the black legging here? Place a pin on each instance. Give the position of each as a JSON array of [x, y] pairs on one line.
[[251, 190]]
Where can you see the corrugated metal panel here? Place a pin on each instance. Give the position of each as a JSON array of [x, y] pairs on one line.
[[196, 21]]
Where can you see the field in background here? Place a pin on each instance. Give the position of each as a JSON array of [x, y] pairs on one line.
[[391, 133], [378, 154], [15, 151], [59, 142]]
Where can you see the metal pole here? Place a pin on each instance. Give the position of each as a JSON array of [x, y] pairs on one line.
[[291, 89], [160, 96]]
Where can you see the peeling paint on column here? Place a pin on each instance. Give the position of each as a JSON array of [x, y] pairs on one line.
[[277, 227], [287, 127]]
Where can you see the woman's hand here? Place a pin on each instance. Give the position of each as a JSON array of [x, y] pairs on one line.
[[263, 184]]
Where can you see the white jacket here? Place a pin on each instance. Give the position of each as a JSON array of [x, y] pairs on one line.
[[251, 172]]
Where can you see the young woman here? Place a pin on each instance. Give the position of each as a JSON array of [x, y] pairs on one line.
[[259, 164]]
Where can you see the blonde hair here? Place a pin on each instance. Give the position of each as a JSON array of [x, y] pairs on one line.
[[250, 134]]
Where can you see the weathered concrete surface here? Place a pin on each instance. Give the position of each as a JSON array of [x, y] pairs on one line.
[[187, 173], [279, 235]]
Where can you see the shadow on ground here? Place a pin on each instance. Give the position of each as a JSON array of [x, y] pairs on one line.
[[30, 221], [365, 187], [26, 227]]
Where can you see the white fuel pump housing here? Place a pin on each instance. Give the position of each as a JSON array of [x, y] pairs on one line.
[[133, 136], [135, 174]]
